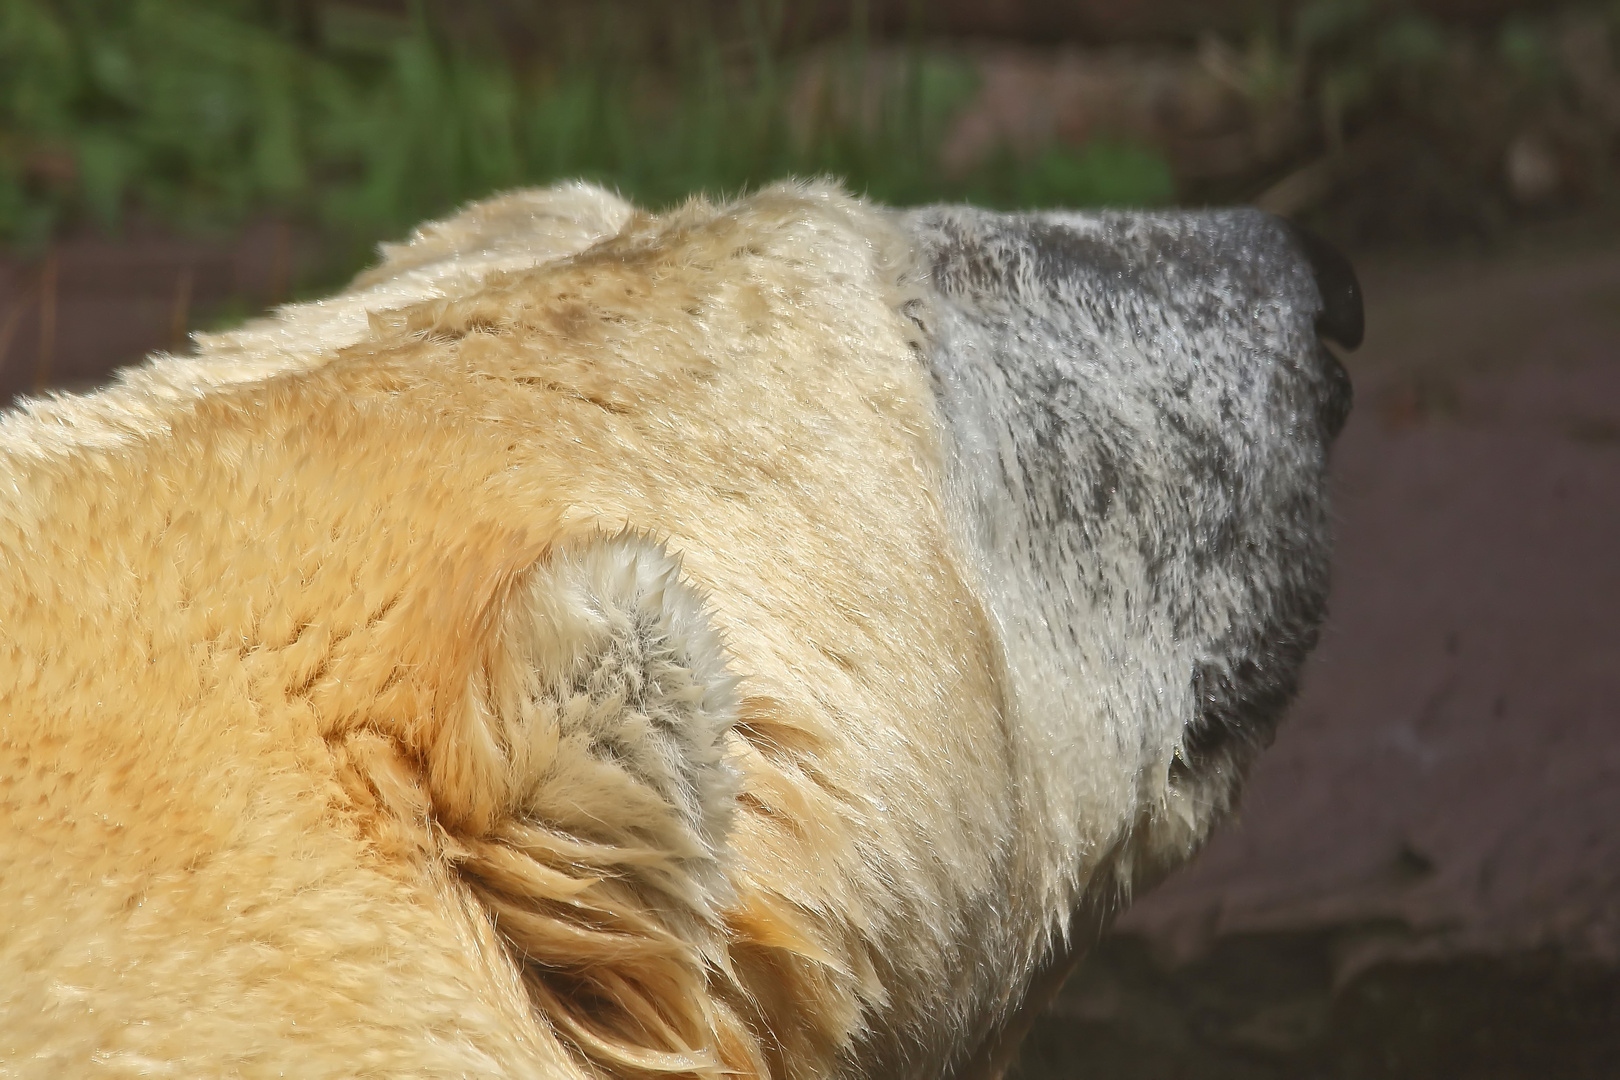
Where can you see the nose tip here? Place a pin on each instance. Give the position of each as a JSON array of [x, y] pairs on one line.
[[1342, 319]]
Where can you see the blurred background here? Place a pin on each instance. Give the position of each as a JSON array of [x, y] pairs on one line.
[[1424, 880]]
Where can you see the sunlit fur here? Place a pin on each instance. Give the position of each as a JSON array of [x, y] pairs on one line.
[[565, 653]]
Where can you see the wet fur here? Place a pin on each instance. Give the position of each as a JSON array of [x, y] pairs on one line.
[[730, 642]]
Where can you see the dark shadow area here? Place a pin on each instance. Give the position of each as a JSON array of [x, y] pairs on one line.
[[1265, 1007]]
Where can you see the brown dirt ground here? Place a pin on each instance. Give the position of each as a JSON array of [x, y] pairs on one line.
[[1425, 880]]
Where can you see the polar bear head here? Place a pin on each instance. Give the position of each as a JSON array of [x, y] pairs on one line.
[[747, 640]]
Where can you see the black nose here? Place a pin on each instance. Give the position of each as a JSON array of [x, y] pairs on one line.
[[1342, 319]]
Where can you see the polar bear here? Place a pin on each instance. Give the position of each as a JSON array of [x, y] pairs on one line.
[[758, 639]]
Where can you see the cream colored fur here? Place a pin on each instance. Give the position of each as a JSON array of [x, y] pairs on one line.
[[556, 656], [347, 731]]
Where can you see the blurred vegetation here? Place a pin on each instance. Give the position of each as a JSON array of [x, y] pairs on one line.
[[1422, 129], [361, 118], [198, 113]]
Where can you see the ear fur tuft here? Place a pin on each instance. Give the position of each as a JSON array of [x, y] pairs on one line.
[[577, 769], [618, 648]]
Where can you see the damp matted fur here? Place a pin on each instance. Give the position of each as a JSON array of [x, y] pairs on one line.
[[730, 642]]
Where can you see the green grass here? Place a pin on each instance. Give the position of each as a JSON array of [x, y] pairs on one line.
[[200, 113]]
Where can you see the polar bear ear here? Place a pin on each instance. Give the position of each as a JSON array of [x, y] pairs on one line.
[[613, 649], [516, 229], [597, 704], [572, 747]]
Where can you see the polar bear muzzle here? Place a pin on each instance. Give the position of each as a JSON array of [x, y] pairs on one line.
[[1138, 410]]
